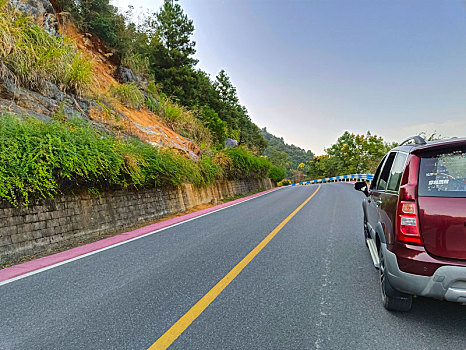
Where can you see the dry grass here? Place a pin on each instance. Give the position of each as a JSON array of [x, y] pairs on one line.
[[34, 56], [184, 122], [128, 94]]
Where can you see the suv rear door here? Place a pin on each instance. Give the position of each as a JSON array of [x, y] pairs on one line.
[[442, 201], [388, 186], [377, 191], [390, 196]]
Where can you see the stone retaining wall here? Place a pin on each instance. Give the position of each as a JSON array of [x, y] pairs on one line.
[[50, 224]]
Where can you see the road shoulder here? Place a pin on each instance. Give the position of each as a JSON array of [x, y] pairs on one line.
[[22, 270]]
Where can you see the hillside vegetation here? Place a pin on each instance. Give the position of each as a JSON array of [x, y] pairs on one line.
[[42, 159], [101, 148], [161, 50], [283, 154]]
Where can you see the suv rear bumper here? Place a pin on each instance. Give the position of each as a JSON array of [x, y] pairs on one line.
[[448, 282]]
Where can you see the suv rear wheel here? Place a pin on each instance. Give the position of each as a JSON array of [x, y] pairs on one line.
[[366, 231], [392, 299]]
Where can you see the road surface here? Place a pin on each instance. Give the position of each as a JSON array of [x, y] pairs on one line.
[[311, 286]]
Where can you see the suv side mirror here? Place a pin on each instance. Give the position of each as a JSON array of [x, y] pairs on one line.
[[361, 186]]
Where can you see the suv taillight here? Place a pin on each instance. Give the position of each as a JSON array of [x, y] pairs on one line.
[[407, 223]]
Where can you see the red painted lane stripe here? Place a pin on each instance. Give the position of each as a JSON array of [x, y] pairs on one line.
[[30, 266]]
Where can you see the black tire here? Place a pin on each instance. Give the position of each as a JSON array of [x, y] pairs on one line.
[[366, 231], [392, 299]]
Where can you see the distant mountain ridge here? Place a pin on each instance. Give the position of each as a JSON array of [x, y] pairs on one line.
[[296, 155]]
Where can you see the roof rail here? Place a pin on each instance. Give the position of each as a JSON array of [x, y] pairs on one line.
[[418, 140]]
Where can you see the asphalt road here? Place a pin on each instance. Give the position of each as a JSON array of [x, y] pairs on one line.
[[311, 287]]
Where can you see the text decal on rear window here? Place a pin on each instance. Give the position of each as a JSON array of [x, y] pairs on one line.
[[443, 174]]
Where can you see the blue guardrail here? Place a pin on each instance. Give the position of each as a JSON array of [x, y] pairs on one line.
[[341, 178]]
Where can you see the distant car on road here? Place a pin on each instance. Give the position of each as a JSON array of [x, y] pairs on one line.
[[415, 221]]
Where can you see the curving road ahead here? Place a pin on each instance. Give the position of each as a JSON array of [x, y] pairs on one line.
[[310, 287]]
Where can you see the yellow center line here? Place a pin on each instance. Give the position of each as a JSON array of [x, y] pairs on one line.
[[180, 326]]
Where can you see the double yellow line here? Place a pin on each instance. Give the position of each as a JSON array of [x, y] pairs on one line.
[[180, 326]]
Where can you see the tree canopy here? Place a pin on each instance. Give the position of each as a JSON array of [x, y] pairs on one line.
[[350, 154]]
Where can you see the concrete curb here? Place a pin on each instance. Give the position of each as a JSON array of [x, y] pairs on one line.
[[29, 267]]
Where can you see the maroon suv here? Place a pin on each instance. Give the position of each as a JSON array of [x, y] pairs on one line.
[[415, 221]]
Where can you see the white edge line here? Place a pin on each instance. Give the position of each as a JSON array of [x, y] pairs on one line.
[[124, 242]]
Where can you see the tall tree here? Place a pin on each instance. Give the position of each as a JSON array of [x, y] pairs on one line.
[[175, 30], [239, 123], [171, 51], [226, 89]]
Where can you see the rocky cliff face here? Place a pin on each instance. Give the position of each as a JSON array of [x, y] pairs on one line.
[[41, 10], [50, 100]]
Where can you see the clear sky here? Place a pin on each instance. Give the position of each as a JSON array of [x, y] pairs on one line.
[[309, 70]]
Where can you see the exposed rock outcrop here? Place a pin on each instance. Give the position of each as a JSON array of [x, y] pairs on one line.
[[41, 10], [231, 143], [126, 75], [43, 105]]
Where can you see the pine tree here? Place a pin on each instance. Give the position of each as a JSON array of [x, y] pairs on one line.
[[238, 121], [175, 30], [171, 52], [226, 89]]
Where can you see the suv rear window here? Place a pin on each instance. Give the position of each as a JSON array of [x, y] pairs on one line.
[[443, 173]]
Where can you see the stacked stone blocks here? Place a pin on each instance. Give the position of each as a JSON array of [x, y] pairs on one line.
[[49, 224]]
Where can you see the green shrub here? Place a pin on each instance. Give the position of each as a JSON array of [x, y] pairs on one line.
[[152, 104], [244, 165], [148, 166], [216, 126], [276, 173], [128, 94], [210, 170], [154, 89], [37, 157], [172, 113], [41, 159]]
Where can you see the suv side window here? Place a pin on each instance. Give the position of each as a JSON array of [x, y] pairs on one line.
[[377, 174], [397, 172], [382, 184]]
